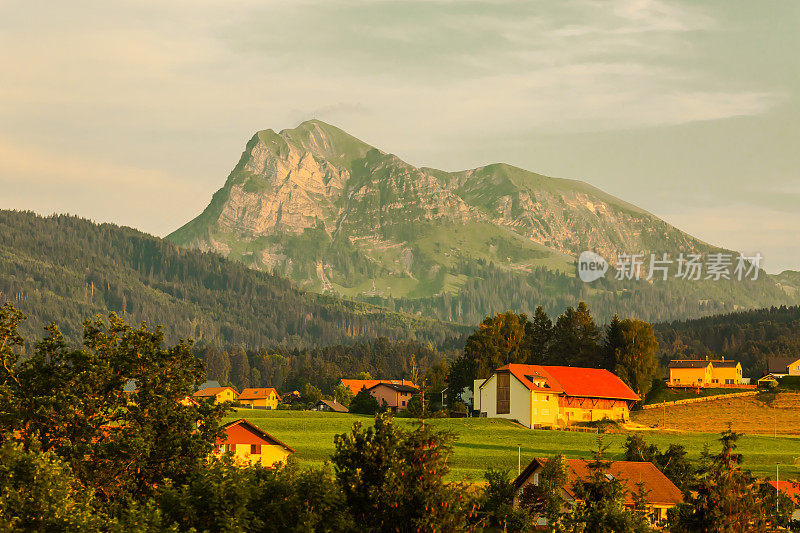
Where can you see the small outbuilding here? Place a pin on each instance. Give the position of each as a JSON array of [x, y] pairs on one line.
[[330, 406]]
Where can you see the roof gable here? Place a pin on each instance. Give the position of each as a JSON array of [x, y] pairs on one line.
[[779, 365], [213, 391], [661, 490], [258, 394], [234, 429], [355, 385], [395, 387], [336, 406]]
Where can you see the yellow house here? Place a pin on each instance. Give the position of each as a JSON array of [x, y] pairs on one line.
[[794, 368], [704, 373], [218, 394], [726, 373], [551, 396], [266, 398], [250, 444]]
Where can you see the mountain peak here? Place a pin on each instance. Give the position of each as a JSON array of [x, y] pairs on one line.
[[335, 213]]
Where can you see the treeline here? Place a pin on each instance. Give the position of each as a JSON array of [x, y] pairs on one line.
[[291, 369], [491, 290], [62, 268], [751, 337]]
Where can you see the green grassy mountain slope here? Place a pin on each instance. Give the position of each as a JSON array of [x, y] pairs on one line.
[[339, 216], [64, 269]]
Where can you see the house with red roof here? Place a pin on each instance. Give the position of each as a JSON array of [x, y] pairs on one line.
[[264, 398], [792, 490], [248, 443], [553, 396], [217, 394], [662, 494]]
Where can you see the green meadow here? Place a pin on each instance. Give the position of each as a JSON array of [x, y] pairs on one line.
[[483, 442]]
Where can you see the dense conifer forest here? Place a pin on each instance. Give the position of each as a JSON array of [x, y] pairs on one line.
[[63, 268], [751, 337]]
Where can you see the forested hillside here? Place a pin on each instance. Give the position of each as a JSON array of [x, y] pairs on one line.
[[490, 290], [323, 367], [750, 337], [64, 269]]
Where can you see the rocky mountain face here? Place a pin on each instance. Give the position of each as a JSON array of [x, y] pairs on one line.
[[338, 215]]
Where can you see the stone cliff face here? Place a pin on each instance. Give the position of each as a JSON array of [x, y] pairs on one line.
[[337, 214]]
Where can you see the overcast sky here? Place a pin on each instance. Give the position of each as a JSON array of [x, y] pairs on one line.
[[135, 111]]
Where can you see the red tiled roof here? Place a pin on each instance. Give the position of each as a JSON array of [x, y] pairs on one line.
[[791, 488], [258, 394], [661, 490], [255, 430], [574, 381], [526, 373], [355, 385], [212, 391]]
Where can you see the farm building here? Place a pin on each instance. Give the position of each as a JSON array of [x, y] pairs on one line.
[[704, 373], [355, 385], [662, 494], [330, 406], [217, 394], [551, 396], [250, 444], [266, 398]]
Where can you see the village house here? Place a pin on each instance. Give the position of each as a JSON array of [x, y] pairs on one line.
[[250, 444], [698, 373], [217, 394], [266, 398], [395, 396], [792, 490], [330, 406], [553, 396], [662, 494], [781, 367], [355, 385]]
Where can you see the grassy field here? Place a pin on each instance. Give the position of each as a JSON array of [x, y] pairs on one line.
[[486, 442], [765, 414]]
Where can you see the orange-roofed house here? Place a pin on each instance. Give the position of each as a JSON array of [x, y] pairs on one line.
[[217, 394], [355, 385], [662, 494], [553, 396], [266, 398], [792, 490], [250, 444]]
